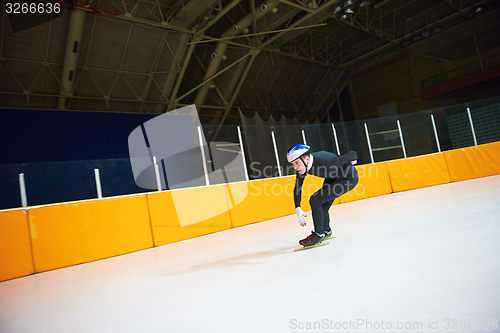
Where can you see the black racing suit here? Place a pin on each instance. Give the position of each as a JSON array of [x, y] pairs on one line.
[[340, 177]]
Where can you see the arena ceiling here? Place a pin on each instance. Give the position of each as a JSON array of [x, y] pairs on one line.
[[287, 57]]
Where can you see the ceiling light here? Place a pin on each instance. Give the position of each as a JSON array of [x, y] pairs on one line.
[[336, 10], [365, 4], [208, 16], [349, 11]]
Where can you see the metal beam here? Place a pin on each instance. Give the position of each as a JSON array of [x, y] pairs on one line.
[[84, 97], [227, 109], [254, 21], [129, 18], [180, 77], [221, 47], [175, 67], [296, 5], [325, 6], [337, 91], [73, 45], [221, 14], [45, 59], [449, 4], [124, 52], [147, 86], [283, 19], [386, 46], [213, 84], [369, 30], [225, 39], [206, 82], [315, 92], [234, 80]]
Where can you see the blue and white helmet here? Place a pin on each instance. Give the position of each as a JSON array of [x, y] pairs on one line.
[[296, 151]]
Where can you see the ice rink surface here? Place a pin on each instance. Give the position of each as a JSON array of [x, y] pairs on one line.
[[426, 260]]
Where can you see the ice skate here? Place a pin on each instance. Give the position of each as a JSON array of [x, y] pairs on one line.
[[328, 234], [313, 239]]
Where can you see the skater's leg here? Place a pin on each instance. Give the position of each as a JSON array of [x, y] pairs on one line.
[[326, 215], [322, 200], [316, 202], [339, 188], [320, 203]]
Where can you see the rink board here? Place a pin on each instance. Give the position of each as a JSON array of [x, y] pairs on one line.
[[473, 162], [187, 213], [15, 247], [373, 181], [74, 233], [417, 172], [264, 199]]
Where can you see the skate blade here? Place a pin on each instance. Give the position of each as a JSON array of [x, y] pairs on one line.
[[310, 247], [331, 237]]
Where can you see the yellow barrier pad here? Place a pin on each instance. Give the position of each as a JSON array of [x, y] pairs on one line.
[[265, 199], [473, 162], [15, 247], [373, 181], [186, 213], [416, 172], [74, 233]]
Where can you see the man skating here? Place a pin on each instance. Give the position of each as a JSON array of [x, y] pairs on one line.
[[340, 177]]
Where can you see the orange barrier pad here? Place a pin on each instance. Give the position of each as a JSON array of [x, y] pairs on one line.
[[473, 162], [74, 233], [186, 213], [15, 247], [264, 199], [416, 172], [373, 181]]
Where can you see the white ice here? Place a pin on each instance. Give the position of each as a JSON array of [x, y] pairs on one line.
[[426, 260]]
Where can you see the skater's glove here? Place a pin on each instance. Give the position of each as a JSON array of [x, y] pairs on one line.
[[351, 157], [300, 216]]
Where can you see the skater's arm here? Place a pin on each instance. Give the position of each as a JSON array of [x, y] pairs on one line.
[[335, 160], [297, 194], [297, 191]]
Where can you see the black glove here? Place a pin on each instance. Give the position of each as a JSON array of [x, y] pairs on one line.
[[350, 157]]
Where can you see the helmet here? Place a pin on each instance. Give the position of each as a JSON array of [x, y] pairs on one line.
[[296, 151]]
